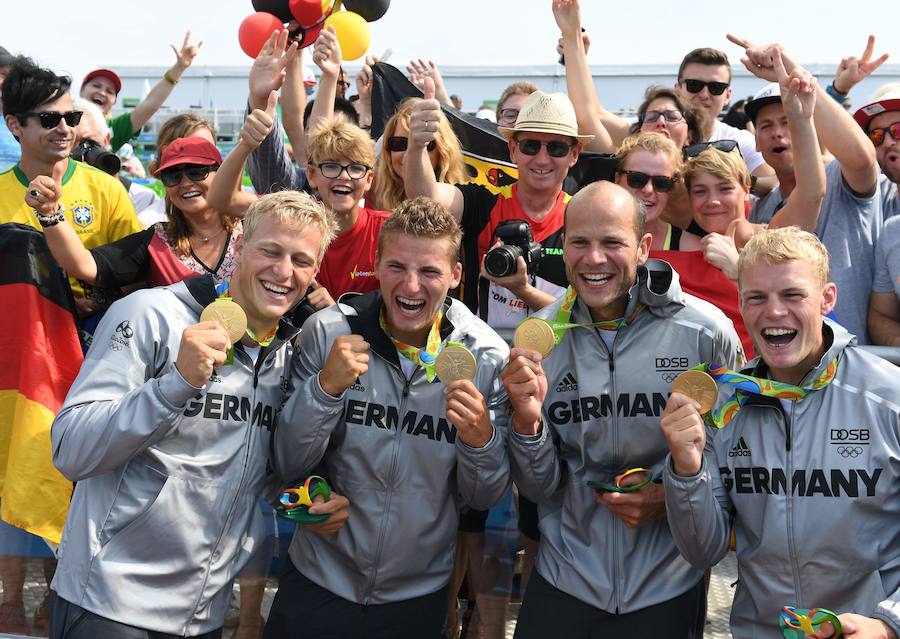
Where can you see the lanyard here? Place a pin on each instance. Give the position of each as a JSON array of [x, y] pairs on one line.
[[746, 385], [424, 357], [222, 294], [564, 314]]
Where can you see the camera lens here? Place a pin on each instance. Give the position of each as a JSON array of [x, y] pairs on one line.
[[500, 261]]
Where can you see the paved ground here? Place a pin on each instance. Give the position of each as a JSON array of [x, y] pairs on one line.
[[720, 595]]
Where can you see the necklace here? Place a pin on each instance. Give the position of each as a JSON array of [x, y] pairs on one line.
[[207, 239]]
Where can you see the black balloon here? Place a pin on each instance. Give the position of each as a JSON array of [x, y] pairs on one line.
[[278, 8], [370, 10]]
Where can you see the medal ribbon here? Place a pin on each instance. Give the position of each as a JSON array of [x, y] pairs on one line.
[[424, 357], [746, 385], [562, 323], [222, 294]]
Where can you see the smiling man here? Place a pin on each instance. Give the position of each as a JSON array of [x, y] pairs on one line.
[[404, 446], [169, 440], [607, 564], [806, 471], [544, 143]]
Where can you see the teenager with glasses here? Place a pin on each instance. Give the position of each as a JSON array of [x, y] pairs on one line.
[[47, 187], [444, 154]]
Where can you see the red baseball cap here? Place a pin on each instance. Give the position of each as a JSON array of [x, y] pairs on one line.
[[890, 101], [109, 74], [189, 151]]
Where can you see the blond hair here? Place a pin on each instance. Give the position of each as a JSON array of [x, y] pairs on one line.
[[655, 143], [293, 208], [337, 138], [516, 88], [774, 246], [726, 166], [423, 217], [450, 168]]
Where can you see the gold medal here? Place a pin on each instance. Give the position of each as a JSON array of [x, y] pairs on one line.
[[455, 362], [535, 335], [229, 315], [698, 386]]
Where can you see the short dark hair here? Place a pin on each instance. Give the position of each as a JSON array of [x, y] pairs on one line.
[[27, 86], [422, 217], [705, 55], [692, 117], [341, 105]]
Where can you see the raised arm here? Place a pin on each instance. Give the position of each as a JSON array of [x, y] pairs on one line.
[[419, 178], [225, 193], [593, 119], [420, 69], [798, 95], [160, 92], [852, 70], [364, 90], [839, 132], [293, 103], [327, 56]]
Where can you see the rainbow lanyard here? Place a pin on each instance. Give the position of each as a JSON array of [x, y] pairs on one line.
[[746, 385], [222, 294], [424, 357], [565, 314]]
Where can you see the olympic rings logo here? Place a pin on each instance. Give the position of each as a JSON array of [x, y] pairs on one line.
[[669, 377], [849, 451]]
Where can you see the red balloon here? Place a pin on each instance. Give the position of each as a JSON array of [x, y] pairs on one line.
[[255, 30], [306, 12], [310, 34]]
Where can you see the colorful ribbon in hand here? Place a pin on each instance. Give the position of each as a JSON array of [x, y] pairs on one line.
[[424, 357], [746, 385]]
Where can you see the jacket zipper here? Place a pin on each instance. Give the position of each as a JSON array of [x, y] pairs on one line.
[[795, 568], [617, 573], [390, 491]]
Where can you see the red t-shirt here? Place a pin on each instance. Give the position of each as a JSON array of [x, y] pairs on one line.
[[349, 262]]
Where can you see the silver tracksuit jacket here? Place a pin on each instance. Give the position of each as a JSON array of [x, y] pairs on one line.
[[165, 510], [813, 493], [387, 446], [600, 418]]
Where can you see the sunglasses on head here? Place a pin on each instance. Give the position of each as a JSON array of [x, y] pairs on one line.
[[333, 170], [50, 119], [638, 180], [696, 86], [555, 148], [671, 116], [726, 146], [399, 143], [194, 172], [877, 135]]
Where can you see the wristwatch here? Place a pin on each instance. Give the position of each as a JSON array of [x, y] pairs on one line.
[[51, 220]]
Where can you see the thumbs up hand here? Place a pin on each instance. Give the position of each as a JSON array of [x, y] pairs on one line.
[[259, 123], [720, 251], [425, 117]]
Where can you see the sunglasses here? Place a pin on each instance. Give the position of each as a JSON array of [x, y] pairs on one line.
[[877, 135], [555, 148], [509, 115], [671, 116], [696, 86], [725, 146], [399, 143], [332, 170], [50, 119], [638, 180], [194, 172]]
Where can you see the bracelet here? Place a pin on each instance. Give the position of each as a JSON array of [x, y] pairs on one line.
[[168, 78], [47, 221], [834, 93]]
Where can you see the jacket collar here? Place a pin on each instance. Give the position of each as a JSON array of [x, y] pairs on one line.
[[365, 323]]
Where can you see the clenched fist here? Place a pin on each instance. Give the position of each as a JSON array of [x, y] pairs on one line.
[[203, 347], [347, 360], [468, 412], [526, 385], [685, 432]]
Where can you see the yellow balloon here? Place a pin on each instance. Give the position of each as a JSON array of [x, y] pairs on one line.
[[352, 33]]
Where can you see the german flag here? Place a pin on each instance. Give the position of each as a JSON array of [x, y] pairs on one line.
[[41, 357]]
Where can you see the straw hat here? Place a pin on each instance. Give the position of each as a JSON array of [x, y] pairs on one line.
[[546, 113]]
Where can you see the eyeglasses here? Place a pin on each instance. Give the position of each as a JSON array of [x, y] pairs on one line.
[[877, 135], [332, 170], [555, 148], [508, 115], [638, 180], [671, 116], [194, 172], [50, 119], [725, 146], [696, 86], [399, 143]]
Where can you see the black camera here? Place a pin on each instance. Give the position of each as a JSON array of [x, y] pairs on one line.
[[517, 240], [93, 153]]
